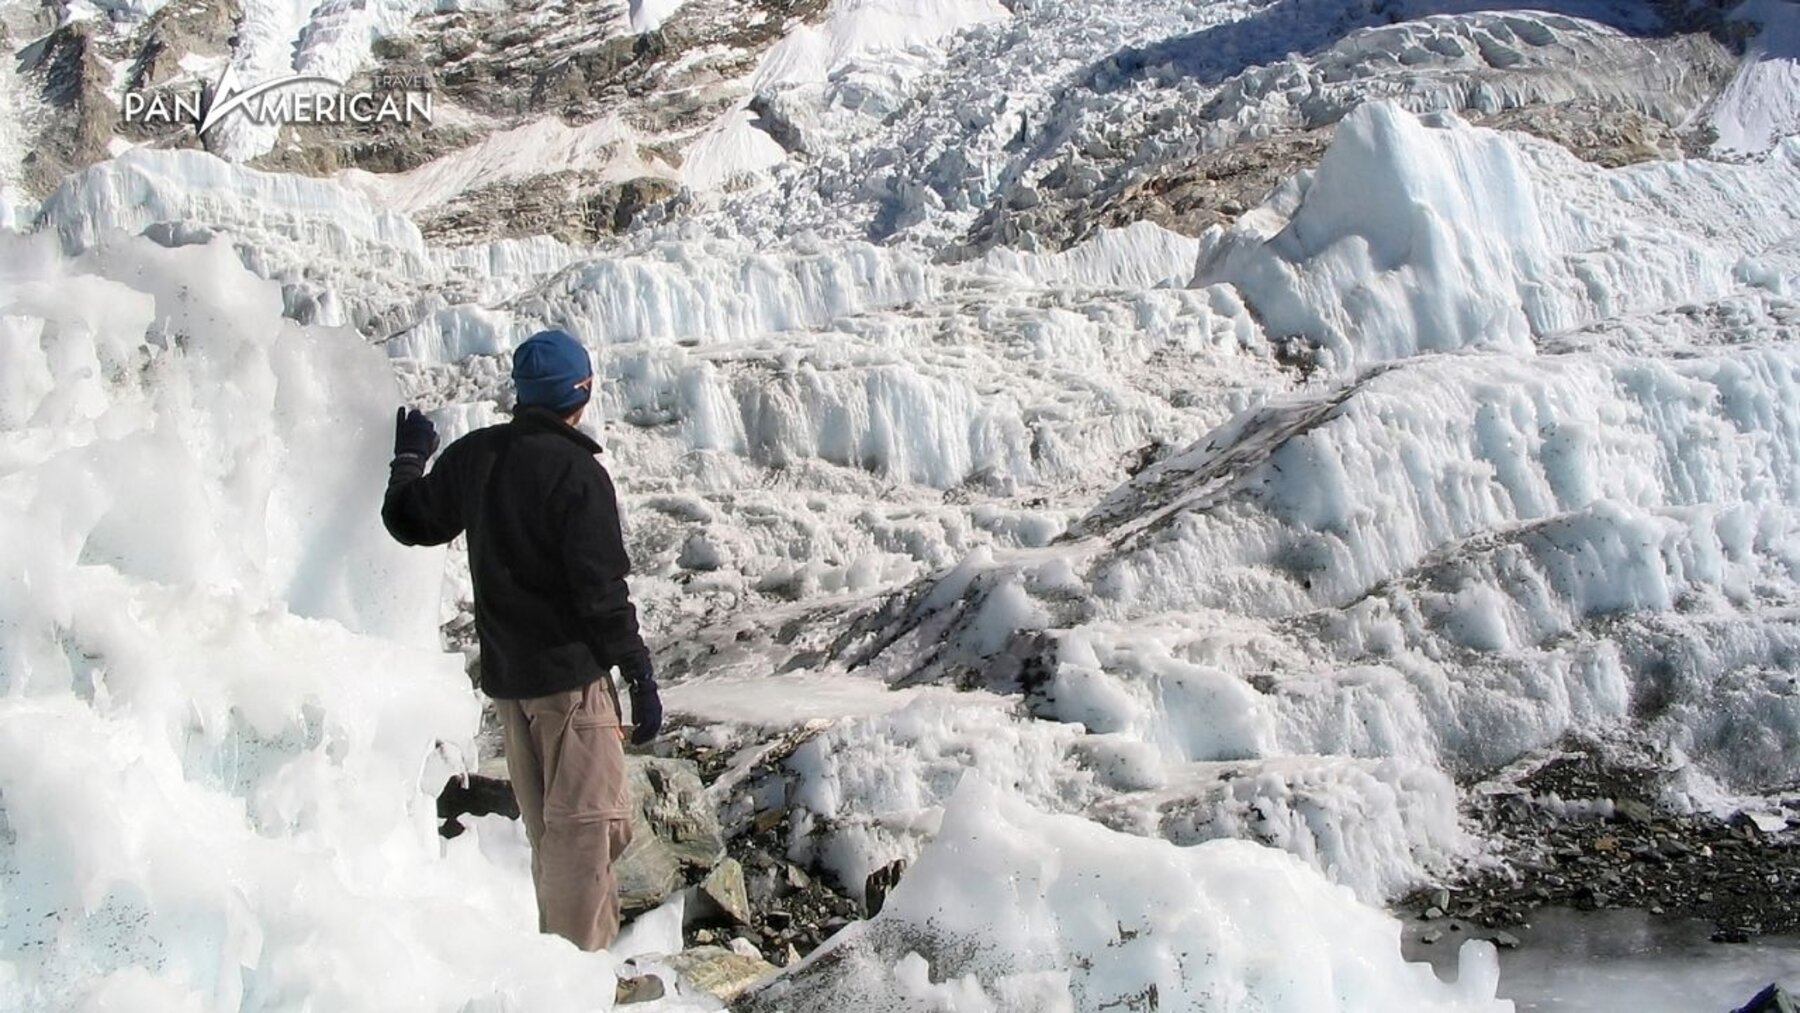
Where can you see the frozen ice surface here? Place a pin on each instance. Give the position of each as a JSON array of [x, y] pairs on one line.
[[1011, 909], [1598, 961]]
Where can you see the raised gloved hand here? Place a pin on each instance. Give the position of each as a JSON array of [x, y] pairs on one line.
[[646, 706], [415, 438]]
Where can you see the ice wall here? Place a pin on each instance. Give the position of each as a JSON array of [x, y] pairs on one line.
[[221, 699]]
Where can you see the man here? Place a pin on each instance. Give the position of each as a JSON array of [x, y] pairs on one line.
[[553, 614]]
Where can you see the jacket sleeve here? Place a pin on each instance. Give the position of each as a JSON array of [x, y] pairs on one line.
[[424, 508], [597, 564]]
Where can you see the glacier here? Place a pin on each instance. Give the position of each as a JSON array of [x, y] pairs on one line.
[[1158, 588]]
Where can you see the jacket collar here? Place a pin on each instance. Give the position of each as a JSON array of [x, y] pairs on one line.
[[539, 417]]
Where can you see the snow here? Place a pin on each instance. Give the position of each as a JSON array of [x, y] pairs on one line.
[[605, 147], [881, 783], [1759, 106], [1140, 255], [648, 15], [792, 698], [15, 140]]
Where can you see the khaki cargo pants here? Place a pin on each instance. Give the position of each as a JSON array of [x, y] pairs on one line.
[[567, 763]]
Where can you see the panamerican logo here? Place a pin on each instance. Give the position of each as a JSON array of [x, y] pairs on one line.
[[294, 99]]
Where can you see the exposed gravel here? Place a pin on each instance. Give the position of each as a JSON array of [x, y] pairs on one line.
[[1584, 829]]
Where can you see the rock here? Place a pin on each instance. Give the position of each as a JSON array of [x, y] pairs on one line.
[[1732, 934], [722, 973], [1505, 940], [797, 879], [669, 802], [1632, 811], [778, 919], [723, 891], [648, 871], [769, 819], [876, 887], [765, 888], [575, 206], [1431, 937], [704, 936], [745, 947], [1434, 912]]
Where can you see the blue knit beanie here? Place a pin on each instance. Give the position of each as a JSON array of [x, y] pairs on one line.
[[548, 369]]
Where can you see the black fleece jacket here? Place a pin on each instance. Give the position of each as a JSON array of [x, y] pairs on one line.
[[551, 606]]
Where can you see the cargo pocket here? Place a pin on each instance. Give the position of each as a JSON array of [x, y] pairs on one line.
[[590, 777]]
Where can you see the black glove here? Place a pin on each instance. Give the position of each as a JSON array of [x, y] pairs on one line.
[[646, 706], [415, 438]]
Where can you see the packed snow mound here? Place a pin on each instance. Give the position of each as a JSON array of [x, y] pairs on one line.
[[1140, 255], [881, 783], [1012, 909], [1427, 235], [222, 704]]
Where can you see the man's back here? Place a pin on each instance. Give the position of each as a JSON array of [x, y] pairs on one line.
[[545, 551]]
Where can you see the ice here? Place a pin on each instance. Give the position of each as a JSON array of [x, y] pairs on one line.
[[734, 147], [1421, 566], [1011, 909], [341, 255], [1592, 962], [1427, 236]]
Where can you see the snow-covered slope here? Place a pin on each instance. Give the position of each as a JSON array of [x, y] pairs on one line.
[[1114, 428], [1762, 103]]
